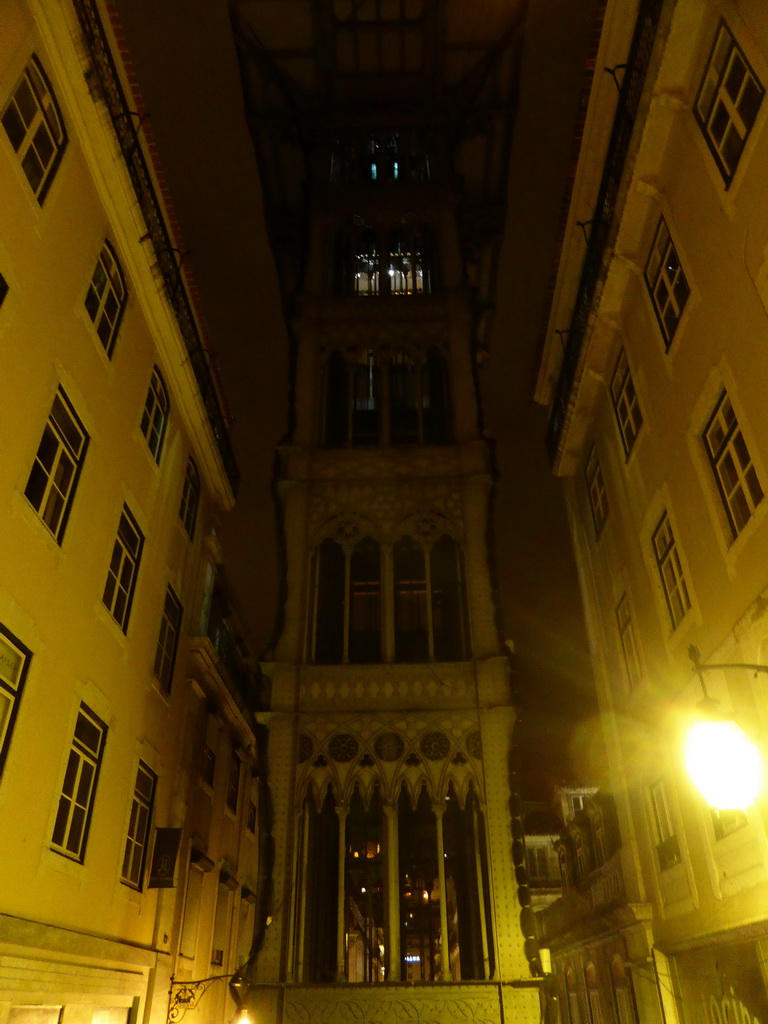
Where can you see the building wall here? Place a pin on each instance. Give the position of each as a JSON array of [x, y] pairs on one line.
[[72, 933], [713, 893]]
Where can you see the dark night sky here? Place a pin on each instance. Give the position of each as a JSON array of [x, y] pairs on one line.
[[185, 61]]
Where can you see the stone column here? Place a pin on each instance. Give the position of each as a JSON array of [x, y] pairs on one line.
[[342, 810], [445, 957], [392, 921]]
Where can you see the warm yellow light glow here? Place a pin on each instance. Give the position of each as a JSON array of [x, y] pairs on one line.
[[724, 764], [242, 1017]]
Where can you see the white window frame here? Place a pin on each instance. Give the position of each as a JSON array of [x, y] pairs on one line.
[[123, 569], [221, 921], [154, 418], [667, 283], [56, 470], [667, 844], [735, 473], [106, 297], [42, 124], [14, 665], [670, 568], [137, 836], [630, 648], [78, 792], [598, 497], [234, 771], [168, 639], [190, 498], [191, 918], [725, 823], [727, 83], [592, 986], [626, 406]]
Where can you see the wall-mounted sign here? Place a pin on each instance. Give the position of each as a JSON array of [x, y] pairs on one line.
[[722, 984], [164, 856]]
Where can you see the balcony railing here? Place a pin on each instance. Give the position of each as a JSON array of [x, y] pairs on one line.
[[630, 95], [127, 133], [602, 887], [219, 660]]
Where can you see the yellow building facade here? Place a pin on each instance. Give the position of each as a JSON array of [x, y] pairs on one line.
[[128, 796], [653, 368]]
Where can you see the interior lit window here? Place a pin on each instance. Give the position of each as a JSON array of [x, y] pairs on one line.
[[666, 283], [365, 890]]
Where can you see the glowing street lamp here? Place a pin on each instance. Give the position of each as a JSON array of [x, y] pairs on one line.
[[724, 764]]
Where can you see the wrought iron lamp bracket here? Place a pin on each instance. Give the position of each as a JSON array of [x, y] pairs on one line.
[[185, 995]]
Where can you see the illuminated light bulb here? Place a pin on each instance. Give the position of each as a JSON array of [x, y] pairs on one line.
[[724, 763], [242, 1017]]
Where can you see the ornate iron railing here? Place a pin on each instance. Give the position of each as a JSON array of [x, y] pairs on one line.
[[630, 95], [106, 78]]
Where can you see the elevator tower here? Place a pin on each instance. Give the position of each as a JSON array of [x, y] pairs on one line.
[[382, 129]]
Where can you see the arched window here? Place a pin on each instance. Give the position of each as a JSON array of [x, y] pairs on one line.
[[366, 264], [418, 393], [414, 903], [365, 890], [447, 592], [593, 994], [347, 603], [330, 585], [622, 993], [573, 996], [466, 888], [317, 937], [429, 601], [408, 263], [365, 602], [420, 931], [411, 604], [417, 411], [427, 607]]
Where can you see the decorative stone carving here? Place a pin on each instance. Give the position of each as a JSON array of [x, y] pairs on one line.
[[444, 685], [347, 529], [435, 745], [430, 504], [343, 747], [475, 745], [389, 751], [306, 747], [414, 335], [393, 1005], [389, 746]]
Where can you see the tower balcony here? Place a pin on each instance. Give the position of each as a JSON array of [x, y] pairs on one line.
[[489, 1002]]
